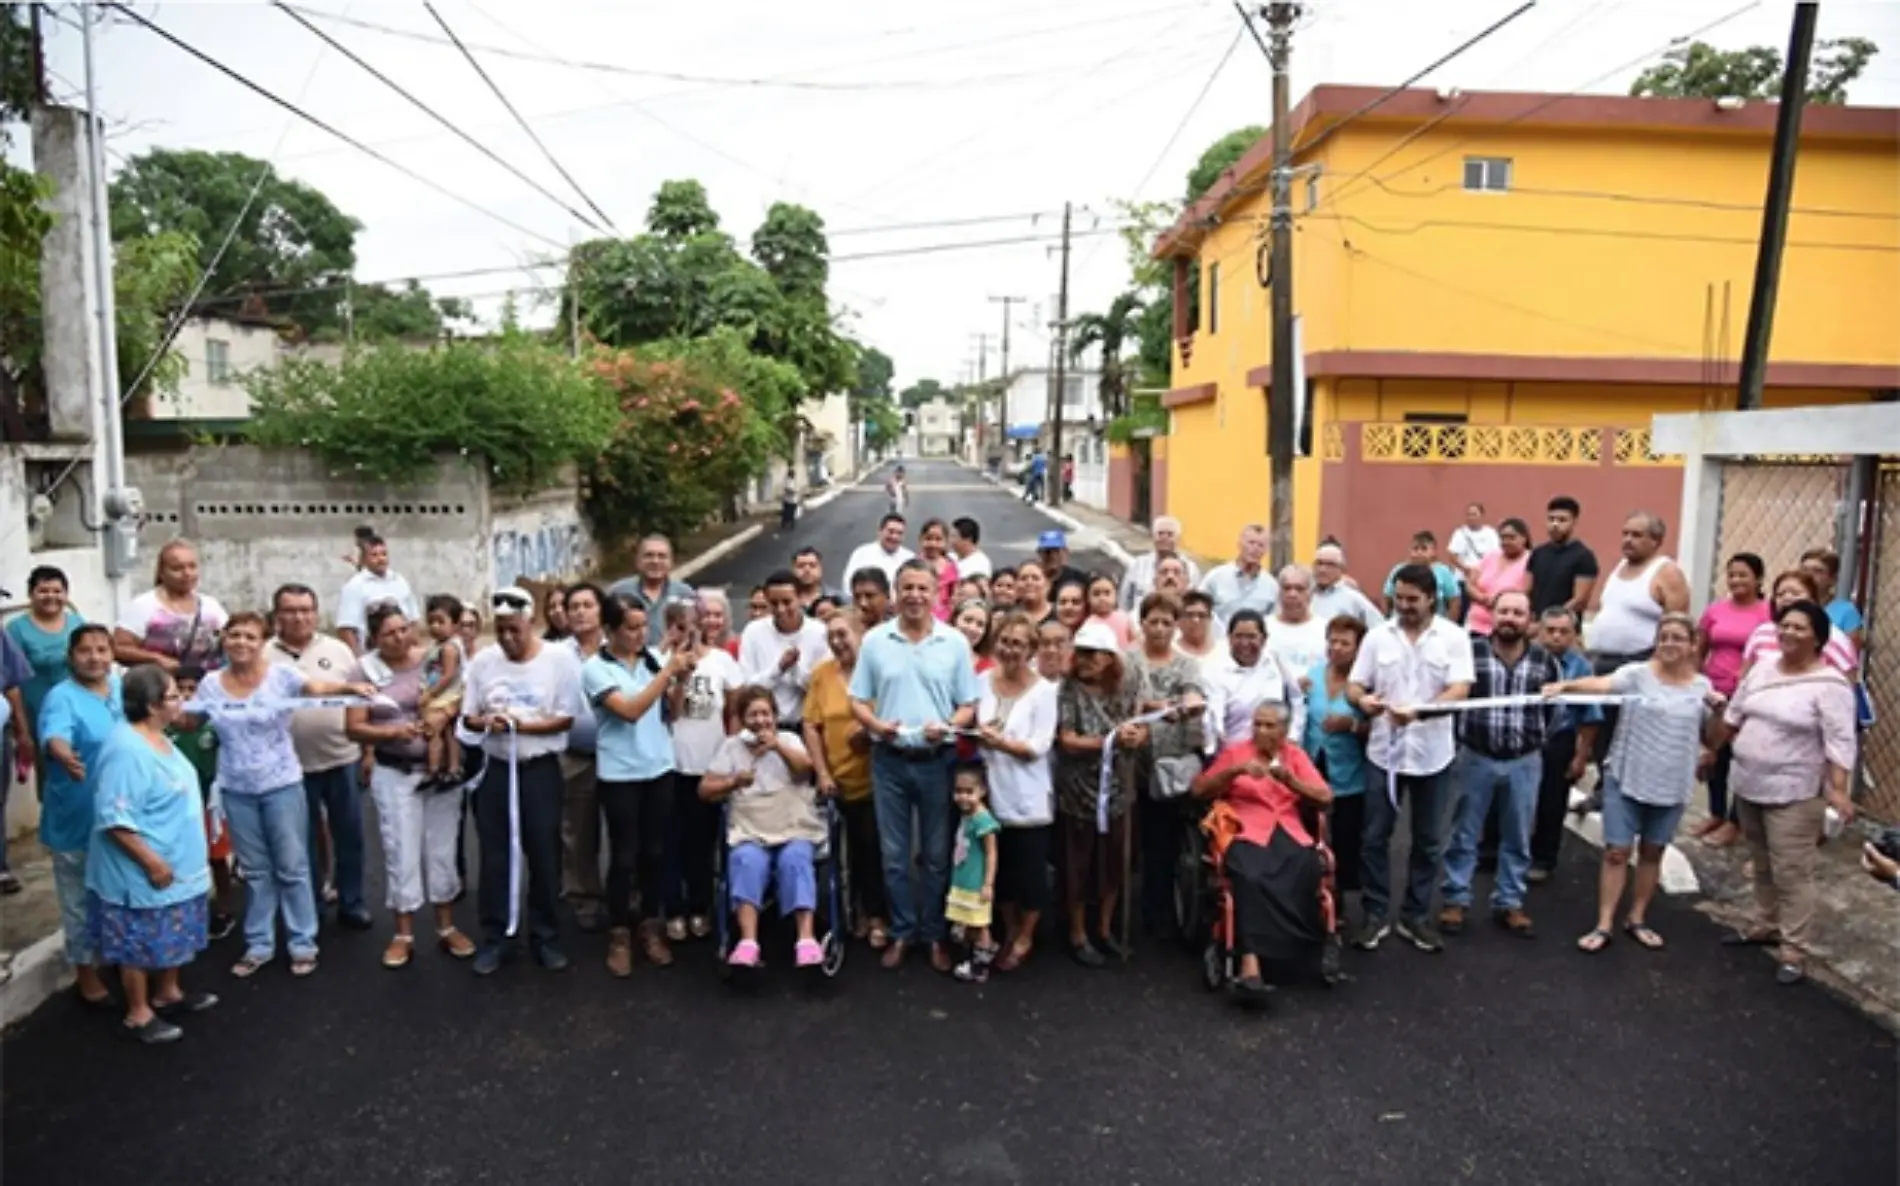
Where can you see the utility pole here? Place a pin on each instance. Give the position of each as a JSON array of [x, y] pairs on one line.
[[1281, 396], [1002, 399], [120, 505], [1053, 487], [1774, 217]]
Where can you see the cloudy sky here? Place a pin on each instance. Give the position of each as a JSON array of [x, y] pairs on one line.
[[976, 120]]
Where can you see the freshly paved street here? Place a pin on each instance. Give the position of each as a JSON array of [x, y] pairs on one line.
[[1500, 1061]]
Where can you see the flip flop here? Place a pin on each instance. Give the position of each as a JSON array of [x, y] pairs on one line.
[[1594, 941], [1644, 935]]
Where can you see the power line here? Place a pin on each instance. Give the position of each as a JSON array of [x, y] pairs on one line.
[[265, 93], [1589, 232], [525, 126], [978, 220], [934, 248], [432, 113], [1188, 115], [1640, 199]]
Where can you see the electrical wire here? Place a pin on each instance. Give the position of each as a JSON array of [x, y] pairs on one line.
[[1641, 200], [267, 94], [1199, 98], [1591, 232], [432, 113], [525, 125]]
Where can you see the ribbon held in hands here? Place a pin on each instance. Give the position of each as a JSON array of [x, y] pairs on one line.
[[1435, 709], [1105, 780], [265, 706]]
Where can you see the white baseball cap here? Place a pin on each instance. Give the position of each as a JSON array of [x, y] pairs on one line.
[[1096, 636], [510, 601]]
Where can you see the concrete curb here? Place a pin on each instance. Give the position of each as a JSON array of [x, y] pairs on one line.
[[685, 571], [33, 977], [1088, 536]]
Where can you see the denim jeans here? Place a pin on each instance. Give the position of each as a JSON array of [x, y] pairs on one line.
[[906, 789], [1553, 800], [272, 834], [336, 794], [1513, 781], [1429, 794], [791, 866]]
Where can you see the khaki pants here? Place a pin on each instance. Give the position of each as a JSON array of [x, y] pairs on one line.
[[1782, 840], [580, 833]]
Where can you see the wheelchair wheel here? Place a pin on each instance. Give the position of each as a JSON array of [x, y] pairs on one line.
[[1191, 890], [834, 954], [1213, 967]]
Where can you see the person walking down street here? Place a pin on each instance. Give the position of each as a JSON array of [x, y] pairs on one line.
[[148, 878], [840, 750], [1650, 772], [626, 686], [1500, 757], [1567, 746], [1096, 700], [914, 683], [171, 623], [1035, 476], [79, 714], [373, 584], [420, 823], [330, 760], [1563, 568], [1723, 632], [702, 717], [1417, 658], [1165, 679], [1335, 739], [1139, 579], [1016, 727], [1243, 584], [524, 695], [1792, 723], [1506, 569], [251, 704]]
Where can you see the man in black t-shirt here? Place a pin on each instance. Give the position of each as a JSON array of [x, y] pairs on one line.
[[1563, 569]]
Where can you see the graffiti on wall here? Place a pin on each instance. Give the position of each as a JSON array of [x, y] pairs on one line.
[[548, 550]]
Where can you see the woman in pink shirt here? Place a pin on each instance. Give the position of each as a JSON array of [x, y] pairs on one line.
[[933, 548], [1791, 586], [1724, 631], [1502, 571], [1792, 720]]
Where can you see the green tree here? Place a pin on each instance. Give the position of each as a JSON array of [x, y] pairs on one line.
[[1699, 70], [1220, 156], [1111, 332], [292, 236], [875, 371], [922, 392], [378, 311]]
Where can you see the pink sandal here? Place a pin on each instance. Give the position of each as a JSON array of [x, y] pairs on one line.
[[745, 954], [808, 953]]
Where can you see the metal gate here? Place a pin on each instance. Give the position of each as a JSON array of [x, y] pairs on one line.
[[1778, 510], [1880, 664]]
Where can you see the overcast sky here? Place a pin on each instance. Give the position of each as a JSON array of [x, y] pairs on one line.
[[942, 112]]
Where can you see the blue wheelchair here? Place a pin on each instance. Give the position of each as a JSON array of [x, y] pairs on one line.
[[830, 924]]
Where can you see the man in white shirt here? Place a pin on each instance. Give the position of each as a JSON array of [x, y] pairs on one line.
[[1335, 594], [1414, 660], [1295, 633], [1139, 580], [536, 685], [372, 583], [1243, 584], [331, 761], [886, 553], [779, 651], [972, 561]]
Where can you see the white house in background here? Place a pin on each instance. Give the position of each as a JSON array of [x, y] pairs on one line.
[[939, 429], [831, 443], [1027, 423], [216, 352]]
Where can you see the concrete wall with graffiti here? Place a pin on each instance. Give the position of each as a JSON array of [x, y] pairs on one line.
[[540, 537]]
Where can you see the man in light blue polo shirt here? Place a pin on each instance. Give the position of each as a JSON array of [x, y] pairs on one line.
[[915, 682], [1243, 584]]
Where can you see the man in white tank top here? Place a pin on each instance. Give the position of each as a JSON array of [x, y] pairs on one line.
[[1643, 586]]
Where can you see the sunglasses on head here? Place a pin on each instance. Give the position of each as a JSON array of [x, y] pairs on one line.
[[513, 601]]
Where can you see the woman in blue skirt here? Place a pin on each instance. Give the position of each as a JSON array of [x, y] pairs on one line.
[[147, 873]]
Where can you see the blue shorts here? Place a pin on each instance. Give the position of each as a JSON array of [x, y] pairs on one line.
[[1625, 820]]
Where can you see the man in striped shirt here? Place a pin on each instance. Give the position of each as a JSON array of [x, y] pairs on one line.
[[1500, 752]]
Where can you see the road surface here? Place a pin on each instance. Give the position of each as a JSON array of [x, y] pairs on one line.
[[1501, 1061]]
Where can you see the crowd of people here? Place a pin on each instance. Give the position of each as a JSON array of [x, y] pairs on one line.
[[979, 745]]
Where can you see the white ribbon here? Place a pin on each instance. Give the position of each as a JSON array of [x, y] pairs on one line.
[[1108, 762], [514, 828], [264, 706], [1435, 709]]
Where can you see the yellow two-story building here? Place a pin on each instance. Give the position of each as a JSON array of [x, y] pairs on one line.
[[1496, 291]]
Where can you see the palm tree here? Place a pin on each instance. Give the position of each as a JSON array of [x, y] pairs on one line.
[[1112, 331]]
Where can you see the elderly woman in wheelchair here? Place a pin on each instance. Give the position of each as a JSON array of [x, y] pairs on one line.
[[1272, 871], [774, 828]]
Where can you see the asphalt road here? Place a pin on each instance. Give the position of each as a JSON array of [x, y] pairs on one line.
[[1501, 1061]]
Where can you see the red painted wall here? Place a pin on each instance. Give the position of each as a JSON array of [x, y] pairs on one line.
[[1158, 486], [1374, 507], [1121, 486]]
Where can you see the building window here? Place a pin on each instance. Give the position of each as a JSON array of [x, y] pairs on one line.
[[1212, 300], [1312, 191], [217, 361], [1071, 393], [1491, 174]]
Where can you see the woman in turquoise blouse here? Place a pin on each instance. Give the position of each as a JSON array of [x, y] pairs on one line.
[[1336, 739], [148, 875], [43, 634]]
